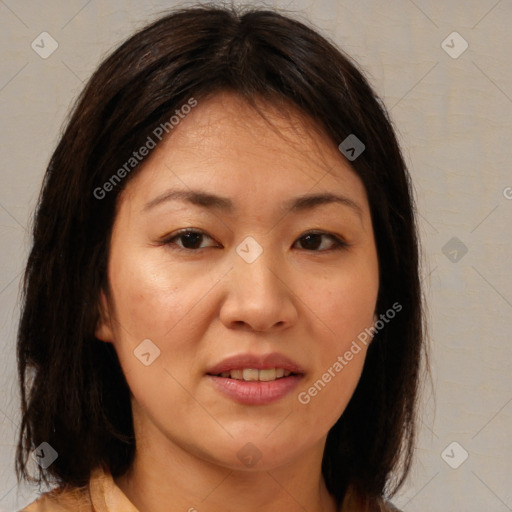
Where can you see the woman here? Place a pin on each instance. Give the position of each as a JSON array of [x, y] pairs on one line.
[[191, 348]]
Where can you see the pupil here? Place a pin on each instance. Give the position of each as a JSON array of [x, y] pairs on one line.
[[194, 237], [315, 243]]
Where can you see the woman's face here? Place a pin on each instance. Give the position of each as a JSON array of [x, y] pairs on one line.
[[192, 316]]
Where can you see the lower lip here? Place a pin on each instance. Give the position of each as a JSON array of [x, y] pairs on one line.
[[256, 392]]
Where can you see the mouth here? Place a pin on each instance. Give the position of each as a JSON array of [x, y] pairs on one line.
[[256, 379]]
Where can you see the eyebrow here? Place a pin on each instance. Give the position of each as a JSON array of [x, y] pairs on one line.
[[207, 200]]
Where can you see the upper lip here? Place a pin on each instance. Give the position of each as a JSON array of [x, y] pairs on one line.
[[254, 361]]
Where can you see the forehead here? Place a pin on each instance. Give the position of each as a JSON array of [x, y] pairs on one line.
[[224, 144]]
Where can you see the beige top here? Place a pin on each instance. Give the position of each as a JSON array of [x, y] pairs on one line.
[[103, 495]]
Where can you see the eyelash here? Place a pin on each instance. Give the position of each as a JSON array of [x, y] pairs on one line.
[[338, 243]]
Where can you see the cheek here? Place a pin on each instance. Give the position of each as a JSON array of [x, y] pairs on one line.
[[169, 307], [328, 390], [153, 334], [344, 306], [152, 299]]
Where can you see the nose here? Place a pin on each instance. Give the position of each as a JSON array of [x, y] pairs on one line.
[[259, 295]]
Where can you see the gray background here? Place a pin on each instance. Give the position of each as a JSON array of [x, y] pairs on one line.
[[453, 119]]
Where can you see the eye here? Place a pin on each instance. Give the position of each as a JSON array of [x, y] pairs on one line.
[[312, 240], [190, 238]]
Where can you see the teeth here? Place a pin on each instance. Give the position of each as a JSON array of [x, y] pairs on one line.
[[266, 375], [254, 375], [235, 374], [250, 375]]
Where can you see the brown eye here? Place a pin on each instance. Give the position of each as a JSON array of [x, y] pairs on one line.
[[190, 239], [312, 241]]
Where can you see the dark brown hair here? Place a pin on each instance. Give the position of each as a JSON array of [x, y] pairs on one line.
[[77, 398]]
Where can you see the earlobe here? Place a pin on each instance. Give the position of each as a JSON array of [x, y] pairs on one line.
[[104, 327]]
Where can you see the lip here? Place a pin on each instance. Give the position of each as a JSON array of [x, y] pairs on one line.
[[255, 393]]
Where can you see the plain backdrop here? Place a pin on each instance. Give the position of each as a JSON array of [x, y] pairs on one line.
[[452, 108]]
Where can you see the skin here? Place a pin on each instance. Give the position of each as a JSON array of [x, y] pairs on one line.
[[306, 301]]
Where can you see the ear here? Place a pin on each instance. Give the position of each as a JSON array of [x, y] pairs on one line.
[[104, 326]]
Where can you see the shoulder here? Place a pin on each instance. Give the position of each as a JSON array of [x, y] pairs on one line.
[[62, 500], [101, 494]]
